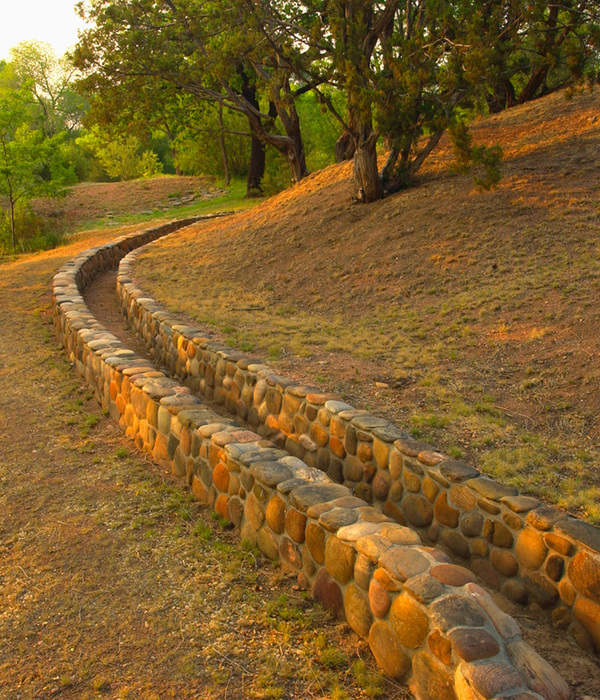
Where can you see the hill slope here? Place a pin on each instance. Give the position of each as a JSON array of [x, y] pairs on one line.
[[468, 316]]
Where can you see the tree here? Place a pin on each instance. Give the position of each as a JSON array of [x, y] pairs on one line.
[[50, 81], [29, 161], [541, 46], [211, 50]]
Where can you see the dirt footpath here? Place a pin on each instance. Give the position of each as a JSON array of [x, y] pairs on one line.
[[113, 582]]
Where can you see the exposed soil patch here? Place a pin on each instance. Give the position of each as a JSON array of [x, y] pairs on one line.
[[92, 201], [115, 583], [468, 317]]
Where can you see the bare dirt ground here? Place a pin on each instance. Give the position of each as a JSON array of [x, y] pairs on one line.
[[114, 583], [93, 201], [469, 317]]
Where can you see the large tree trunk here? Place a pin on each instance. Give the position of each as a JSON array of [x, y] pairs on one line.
[[502, 97], [256, 170], [366, 175], [223, 148], [294, 149], [345, 146]]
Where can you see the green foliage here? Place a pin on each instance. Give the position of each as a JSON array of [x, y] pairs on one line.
[[484, 160], [120, 157], [30, 166]]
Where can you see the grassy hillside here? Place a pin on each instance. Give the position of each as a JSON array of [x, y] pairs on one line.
[[469, 317]]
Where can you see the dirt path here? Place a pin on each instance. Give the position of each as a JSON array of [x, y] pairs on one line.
[[113, 582], [101, 299]]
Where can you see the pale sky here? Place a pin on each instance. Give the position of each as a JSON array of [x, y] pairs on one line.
[[52, 21]]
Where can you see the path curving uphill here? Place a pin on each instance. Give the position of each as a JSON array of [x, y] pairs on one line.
[[426, 619]]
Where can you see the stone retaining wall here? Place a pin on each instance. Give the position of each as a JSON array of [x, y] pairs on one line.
[[426, 619], [532, 553]]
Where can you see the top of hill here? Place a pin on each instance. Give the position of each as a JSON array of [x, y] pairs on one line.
[[469, 317]]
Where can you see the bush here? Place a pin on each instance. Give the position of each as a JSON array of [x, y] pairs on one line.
[[32, 231]]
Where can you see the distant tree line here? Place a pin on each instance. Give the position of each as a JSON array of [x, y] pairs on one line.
[[397, 73]]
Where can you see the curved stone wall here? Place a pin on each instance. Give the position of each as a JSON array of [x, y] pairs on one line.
[[426, 619], [531, 552]]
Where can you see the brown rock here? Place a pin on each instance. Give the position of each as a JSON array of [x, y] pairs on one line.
[[456, 543], [463, 498], [290, 553], [339, 559], [440, 646], [479, 547], [541, 591], [379, 600], [486, 572], [520, 504], [337, 518], [381, 453], [530, 549], [396, 491], [457, 470], [555, 566], [267, 543], [538, 675], [472, 524], [364, 452], [353, 469], [363, 571], [567, 592], [396, 464], [544, 517], [588, 614], [358, 613], [255, 515], [392, 511], [452, 575], [512, 520], [221, 477], [387, 581], [417, 510], [315, 541], [472, 645], [408, 621], [444, 513], [399, 534], [275, 514], [235, 510], [515, 591], [430, 489], [504, 562], [424, 588], [381, 485], [430, 457], [497, 533], [456, 610], [373, 546], [328, 593], [488, 506], [221, 506], [581, 636], [491, 679], [412, 482], [404, 562], [558, 543], [295, 525], [387, 651], [561, 618], [584, 572], [411, 447], [431, 680]]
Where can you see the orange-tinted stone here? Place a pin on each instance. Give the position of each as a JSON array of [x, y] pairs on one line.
[[221, 506], [387, 651], [452, 575], [295, 524], [315, 540], [358, 613], [221, 477], [430, 678], [275, 514], [440, 646], [408, 621], [530, 549], [339, 559], [584, 572], [444, 513], [472, 645], [327, 592], [336, 447], [379, 599], [588, 613]]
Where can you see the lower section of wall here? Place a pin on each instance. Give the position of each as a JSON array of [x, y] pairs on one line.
[[426, 619], [532, 553]]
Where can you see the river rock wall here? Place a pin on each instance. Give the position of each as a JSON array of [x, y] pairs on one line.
[[531, 552]]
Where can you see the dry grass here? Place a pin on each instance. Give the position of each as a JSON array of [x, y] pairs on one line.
[[468, 316], [115, 583]]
